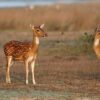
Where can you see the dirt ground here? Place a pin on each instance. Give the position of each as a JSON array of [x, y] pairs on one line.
[[58, 77]]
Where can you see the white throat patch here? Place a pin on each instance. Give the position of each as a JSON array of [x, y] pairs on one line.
[[96, 42], [36, 40]]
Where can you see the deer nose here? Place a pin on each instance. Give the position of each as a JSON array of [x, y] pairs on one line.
[[45, 34]]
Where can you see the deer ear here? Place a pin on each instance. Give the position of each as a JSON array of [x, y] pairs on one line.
[[98, 28], [95, 29], [32, 26], [41, 26]]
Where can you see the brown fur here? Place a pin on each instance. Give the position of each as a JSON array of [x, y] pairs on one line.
[[97, 47], [20, 50]]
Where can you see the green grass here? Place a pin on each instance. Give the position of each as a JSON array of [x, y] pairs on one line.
[[67, 48], [33, 95], [42, 95]]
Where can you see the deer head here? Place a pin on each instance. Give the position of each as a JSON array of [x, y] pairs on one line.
[[97, 31], [38, 30]]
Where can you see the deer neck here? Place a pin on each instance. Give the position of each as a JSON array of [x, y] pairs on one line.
[[96, 42], [35, 43], [36, 40]]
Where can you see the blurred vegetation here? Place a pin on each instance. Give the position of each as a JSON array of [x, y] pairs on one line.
[[69, 17], [83, 45], [87, 42], [87, 38]]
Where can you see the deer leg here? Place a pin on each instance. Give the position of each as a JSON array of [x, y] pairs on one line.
[[27, 71], [9, 60], [32, 69]]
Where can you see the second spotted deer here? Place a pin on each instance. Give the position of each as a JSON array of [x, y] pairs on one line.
[[96, 45]]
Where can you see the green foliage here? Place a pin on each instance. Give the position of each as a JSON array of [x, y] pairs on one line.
[[87, 38], [82, 46], [87, 42]]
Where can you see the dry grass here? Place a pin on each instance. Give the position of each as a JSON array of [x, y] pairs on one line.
[[67, 17], [64, 64]]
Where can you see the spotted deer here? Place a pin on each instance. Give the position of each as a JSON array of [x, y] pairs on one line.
[[96, 45], [24, 51]]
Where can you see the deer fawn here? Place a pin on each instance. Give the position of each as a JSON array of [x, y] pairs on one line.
[[96, 45], [24, 51]]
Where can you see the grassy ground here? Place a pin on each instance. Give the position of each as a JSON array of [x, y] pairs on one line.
[[65, 69]]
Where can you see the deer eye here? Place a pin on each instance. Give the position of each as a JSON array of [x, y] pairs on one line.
[[37, 30], [99, 33]]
